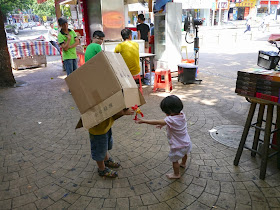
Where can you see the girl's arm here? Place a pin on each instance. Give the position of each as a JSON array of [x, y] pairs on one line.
[[151, 122]]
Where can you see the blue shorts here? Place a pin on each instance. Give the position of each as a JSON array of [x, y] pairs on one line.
[[70, 65], [100, 144]]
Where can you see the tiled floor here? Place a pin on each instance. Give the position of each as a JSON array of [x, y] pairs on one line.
[[46, 163]]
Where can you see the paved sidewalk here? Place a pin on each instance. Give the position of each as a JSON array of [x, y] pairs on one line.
[[46, 163]]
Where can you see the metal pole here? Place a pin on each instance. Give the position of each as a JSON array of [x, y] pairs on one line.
[[196, 46]]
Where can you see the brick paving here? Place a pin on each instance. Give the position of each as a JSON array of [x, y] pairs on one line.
[[46, 163]]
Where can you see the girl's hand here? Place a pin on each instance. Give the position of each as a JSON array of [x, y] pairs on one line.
[[159, 126], [139, 121]]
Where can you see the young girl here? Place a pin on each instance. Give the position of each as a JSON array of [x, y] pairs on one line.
[[177, 134]]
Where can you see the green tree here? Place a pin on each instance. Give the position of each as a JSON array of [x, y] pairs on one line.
[[65, 10], [8, 6], [6, 75], [45, 9]]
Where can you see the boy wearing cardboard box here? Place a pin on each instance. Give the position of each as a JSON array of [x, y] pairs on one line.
[[101, 135], [101, 101]]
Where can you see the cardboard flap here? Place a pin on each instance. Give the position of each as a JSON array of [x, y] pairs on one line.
[[133, 97], [142, 99], [121, 70], [79, 124], [103, 111]]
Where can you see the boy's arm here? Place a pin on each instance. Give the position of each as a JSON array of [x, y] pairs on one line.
[[65, 46], [152, 122], [117, 49], [77, 42], [149, 36], [138, 35], [123, 112]]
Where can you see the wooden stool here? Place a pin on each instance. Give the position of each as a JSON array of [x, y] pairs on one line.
[[140, 83], [267, 133], [164, 84]]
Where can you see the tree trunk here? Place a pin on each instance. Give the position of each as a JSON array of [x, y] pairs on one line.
[[6, 75]]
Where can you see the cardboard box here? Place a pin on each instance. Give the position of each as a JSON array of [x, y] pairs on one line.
[[102, 87]]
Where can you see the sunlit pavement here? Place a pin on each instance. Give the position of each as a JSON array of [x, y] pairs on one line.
[[46, 163]]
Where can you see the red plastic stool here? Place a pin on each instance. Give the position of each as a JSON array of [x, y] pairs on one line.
[[135, 77], [164, 84], [81, 60]]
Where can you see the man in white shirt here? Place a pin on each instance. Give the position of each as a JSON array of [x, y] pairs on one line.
[[52, 36]]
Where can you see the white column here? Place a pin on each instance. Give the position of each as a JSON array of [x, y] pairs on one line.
[[213, 18], [220, 13]]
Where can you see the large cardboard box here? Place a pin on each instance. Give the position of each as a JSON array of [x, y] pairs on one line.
[[102, 87]]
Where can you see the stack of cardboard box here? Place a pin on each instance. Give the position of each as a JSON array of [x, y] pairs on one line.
[[260, 83]]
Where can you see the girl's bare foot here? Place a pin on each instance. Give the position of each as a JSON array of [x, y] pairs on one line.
[[173, 176], [183, 165]]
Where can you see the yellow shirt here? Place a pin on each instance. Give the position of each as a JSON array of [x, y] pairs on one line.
[[130, 53], [103, 127]]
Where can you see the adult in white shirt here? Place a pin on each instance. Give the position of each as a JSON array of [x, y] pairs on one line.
[[52, 36]]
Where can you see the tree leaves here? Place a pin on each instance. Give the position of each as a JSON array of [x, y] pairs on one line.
[[45, 9], [8, 6]]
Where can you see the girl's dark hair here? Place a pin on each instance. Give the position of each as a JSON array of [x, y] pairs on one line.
[[171, 105], [126, 33]]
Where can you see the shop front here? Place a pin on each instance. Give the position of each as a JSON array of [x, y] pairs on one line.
[[219, 12], [241, 10], [267, 7], [200, 9]]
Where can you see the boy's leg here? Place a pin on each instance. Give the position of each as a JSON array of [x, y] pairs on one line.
[[68, 65], [56, 46], [176, 169], [99, 148], [101, 165], [75, 64], [109, 162]]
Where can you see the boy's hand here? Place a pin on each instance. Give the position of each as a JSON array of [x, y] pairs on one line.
[[128, 111]]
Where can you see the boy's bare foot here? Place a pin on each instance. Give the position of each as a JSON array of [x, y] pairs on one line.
[[183, 165], [173, 176]]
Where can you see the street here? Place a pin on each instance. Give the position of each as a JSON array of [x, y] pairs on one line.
[[33, 33]]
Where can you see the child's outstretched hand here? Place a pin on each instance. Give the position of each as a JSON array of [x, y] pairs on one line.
[[159, 126], [139, 121]]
